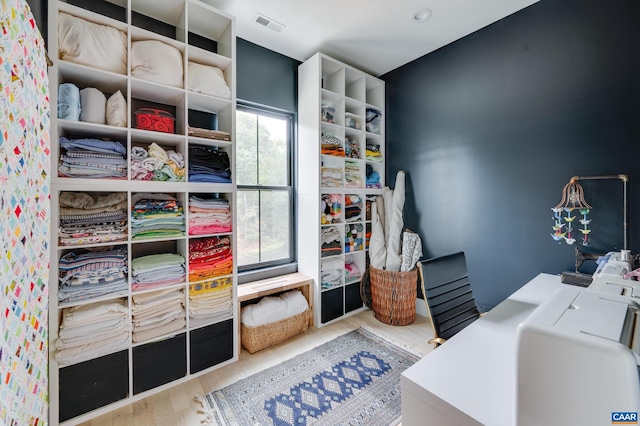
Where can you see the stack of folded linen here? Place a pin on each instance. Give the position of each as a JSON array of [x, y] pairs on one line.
[[330, 241], [210, 301], [332, 146], [92, 218], [92, 158], [156, 216], [331, 176], [331, 272], [157, 270], [92, 274], [209, 258], [352, 177], [157, 164], [93, 330], [157, 313], [209, 215], [351, 271], [352, 208], [373, 152], [208, 164]]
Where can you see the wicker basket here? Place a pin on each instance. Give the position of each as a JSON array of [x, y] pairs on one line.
[[393, 295], [263, 336]]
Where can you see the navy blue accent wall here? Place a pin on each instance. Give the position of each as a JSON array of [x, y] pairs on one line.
[[491, 127], [266, 77]]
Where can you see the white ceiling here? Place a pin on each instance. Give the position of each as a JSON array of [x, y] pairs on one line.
[[375, 36]]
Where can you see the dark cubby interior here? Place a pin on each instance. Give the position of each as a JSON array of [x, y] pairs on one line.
[[203, 120], [202, 42], [102, 7]]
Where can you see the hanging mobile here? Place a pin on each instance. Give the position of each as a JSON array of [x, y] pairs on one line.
[[569, 219], [585, 229], [572, 198]]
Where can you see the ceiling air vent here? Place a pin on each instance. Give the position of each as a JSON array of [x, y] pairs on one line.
[[268, 22]]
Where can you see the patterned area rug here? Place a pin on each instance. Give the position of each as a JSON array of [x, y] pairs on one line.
[[351, 380]]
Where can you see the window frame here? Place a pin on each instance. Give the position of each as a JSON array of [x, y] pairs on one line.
[[261, 270]]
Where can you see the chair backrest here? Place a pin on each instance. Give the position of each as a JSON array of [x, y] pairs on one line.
[[447, 293]]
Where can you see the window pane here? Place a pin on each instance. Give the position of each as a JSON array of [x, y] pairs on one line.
[[248, 228], [272, 149], [265, 196], [274, 225], [246, 148]]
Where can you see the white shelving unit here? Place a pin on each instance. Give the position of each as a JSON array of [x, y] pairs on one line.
[[337, 141], [83, 390]]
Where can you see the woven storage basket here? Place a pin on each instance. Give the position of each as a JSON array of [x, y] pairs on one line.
[[263, 336], [393, 295]]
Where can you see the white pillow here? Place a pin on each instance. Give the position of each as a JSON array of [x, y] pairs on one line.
[[207, 79], [92, 44], [93, 104], [117, 110], [156, 61]]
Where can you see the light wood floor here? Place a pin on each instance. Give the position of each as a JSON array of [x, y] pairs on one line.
[[177, 406]]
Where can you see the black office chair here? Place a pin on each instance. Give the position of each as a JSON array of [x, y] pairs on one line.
[[446, 290]]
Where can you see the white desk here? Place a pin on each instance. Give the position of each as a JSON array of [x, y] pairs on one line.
[[471, 379]]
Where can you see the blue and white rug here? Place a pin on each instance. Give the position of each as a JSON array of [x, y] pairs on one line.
[[351, 380]]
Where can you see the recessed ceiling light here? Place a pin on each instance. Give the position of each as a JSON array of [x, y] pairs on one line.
[[421, 15]]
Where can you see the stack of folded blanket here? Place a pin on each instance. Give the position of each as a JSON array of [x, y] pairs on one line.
[[209, 215], [351, 271], [330, 241], [156, 216], [90, 218], [332, 146], [373, 152], [331, 272], [93, 330], [209, 258], [353, 208], [157, 270], [210, 301], [352, 176], [331, 177], [157, 313], [92, 158], [92, 274], [208, 164], [156, 164]]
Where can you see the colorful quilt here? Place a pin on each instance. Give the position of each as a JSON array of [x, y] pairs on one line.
[[24, 217]]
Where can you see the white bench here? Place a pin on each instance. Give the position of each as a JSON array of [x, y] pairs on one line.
[[268, 286]]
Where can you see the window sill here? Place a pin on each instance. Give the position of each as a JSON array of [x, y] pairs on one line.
[[261, 274]]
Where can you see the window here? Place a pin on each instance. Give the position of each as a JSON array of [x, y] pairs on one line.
[[265, 212]]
